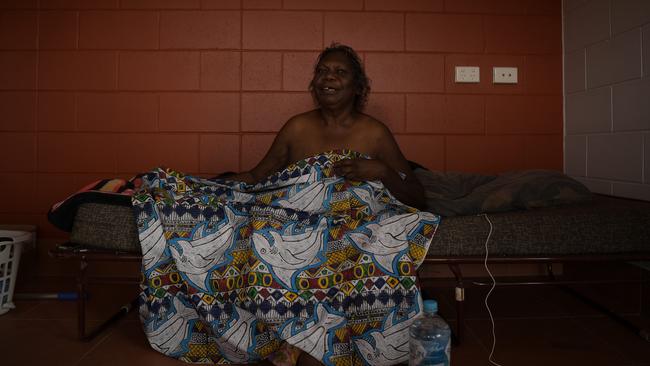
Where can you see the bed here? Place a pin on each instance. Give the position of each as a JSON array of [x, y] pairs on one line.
[[605, 229], [559, 230]]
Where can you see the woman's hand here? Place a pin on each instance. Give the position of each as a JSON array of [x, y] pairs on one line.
[[361, 169]]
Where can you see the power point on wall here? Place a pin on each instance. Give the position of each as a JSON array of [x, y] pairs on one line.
[[467, 74], [504, 75]]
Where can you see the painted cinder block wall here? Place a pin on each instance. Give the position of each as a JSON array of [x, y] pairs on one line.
[[607, 91], [94, 89]]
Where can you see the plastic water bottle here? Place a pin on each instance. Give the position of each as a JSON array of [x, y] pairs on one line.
[[430, 338]]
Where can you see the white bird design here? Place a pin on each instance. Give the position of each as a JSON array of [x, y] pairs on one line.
[[195, 258], [241, 197], [237, 338], [388, 238], [167, 337], [290, 253], [391, 343], [153, 244], [313, 339], [369, 199], [310, 198]]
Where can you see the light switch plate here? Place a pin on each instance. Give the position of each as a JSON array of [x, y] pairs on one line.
[[504, 75], [467, 74]]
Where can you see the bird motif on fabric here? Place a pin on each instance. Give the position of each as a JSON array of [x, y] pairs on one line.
[[196, 257], [367, 197], [311, 198], [391, 346], [312, 337], [242, 197], [286, 254], [387, 238], [238, 337], [153, 244], [168, 336]]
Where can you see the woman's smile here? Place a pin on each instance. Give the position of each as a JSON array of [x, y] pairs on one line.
[[328, 90]]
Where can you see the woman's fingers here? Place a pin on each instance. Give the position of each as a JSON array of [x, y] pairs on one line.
[[343, 167], [359, 169], [349, 168]]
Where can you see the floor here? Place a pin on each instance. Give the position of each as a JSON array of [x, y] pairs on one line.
[[535, 325]]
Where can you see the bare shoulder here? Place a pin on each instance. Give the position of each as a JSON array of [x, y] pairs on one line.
[[380, 139], [374, 127], [300, 123]]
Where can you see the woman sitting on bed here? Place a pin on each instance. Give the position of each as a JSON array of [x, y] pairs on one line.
[[304, 267], [340, 87]]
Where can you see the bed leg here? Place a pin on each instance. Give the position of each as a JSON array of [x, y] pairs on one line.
[[82, 295], [549, 271], [460, 302], [82, 283]]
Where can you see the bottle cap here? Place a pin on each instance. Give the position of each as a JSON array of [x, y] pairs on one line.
[[430, 306]]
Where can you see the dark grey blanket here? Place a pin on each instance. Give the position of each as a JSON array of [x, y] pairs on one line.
[[455, 193]]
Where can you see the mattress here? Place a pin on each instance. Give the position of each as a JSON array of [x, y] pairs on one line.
[[105, 226], [603, 225]]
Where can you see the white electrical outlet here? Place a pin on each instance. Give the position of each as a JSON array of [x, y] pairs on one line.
[[467, 74], [504, 75]]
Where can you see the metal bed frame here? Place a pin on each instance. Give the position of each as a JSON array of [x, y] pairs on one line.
[[86, 256], [462, 283]]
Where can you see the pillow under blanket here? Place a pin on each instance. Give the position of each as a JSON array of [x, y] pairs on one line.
[[456, 193]]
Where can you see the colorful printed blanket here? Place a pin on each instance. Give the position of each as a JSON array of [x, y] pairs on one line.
[[232, 272]]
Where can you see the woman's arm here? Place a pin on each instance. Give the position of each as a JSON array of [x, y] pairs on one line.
[[387, 166], [406, 188]]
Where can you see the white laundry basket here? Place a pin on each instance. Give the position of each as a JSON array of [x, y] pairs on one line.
[[11, 242]]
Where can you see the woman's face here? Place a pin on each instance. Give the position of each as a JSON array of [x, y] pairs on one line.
[[333, 81]]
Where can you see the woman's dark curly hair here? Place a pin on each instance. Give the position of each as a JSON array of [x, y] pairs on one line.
[[361, 81]]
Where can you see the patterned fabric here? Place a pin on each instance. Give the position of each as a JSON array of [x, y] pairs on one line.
[[232, 271]]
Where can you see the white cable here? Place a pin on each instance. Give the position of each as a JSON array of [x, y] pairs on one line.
[[494, 283]]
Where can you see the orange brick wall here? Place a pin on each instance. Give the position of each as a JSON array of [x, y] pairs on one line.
[[102, 88]]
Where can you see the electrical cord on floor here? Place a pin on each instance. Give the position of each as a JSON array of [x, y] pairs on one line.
[[494, 283]]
